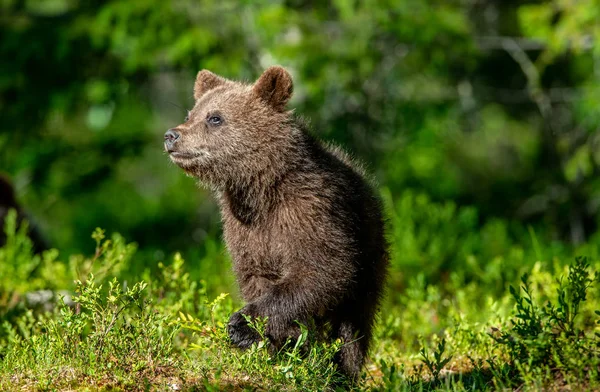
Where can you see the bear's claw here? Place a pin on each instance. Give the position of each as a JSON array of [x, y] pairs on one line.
[[240, 333]]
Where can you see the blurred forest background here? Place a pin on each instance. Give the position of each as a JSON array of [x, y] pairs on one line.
[[480, 119]]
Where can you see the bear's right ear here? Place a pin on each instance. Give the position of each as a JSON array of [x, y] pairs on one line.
[[275, 87], [206, 81]]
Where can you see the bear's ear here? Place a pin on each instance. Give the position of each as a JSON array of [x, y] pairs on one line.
[[275, 87], [205, 81]]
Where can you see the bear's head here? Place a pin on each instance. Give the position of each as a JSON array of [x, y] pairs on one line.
[[236, 133]]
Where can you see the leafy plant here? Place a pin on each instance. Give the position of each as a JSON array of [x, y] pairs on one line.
[[570, 296], [436, 363], [109, 331], [17, 261], [548, 337]]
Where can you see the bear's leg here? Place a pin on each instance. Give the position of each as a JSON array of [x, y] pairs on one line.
[[280, 327], [355, 336]]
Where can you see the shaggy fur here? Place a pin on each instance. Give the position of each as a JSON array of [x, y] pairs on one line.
[[303, 226]]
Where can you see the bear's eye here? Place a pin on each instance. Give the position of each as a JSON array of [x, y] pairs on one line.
[[187, 116], [215, 120]]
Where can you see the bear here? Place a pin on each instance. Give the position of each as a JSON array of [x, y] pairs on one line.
[[301, 221], [8, 201]]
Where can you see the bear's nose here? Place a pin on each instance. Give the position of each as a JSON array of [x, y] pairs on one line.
[[171, 137]]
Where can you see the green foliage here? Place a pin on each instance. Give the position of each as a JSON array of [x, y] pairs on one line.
[[570, 296], [107, 332], [436, 363], [547, 337], [17, 261], [480, 120], [432, 96], [302, 364], [443, 241], [166, 331]]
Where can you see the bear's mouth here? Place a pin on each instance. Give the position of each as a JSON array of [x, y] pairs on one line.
[[184, 155], [187, 157]]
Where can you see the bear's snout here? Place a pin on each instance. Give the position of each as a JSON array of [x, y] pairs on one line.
[[171, 137]]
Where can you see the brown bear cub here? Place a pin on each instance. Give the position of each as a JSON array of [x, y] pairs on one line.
[[304, 228]]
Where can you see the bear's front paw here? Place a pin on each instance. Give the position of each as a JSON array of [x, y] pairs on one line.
[[240, 333]]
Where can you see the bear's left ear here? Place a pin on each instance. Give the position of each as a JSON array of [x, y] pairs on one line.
[[205, 81], [275, 87]]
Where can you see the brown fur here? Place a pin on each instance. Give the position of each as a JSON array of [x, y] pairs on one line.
[[304, 228], [8, 201]]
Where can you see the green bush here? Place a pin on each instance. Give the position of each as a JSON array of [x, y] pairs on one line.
[[167, 331], [552, 340]]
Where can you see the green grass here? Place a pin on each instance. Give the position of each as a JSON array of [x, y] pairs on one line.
[[474, 326]]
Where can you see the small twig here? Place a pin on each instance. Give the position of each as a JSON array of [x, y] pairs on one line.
[[110, 326]]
